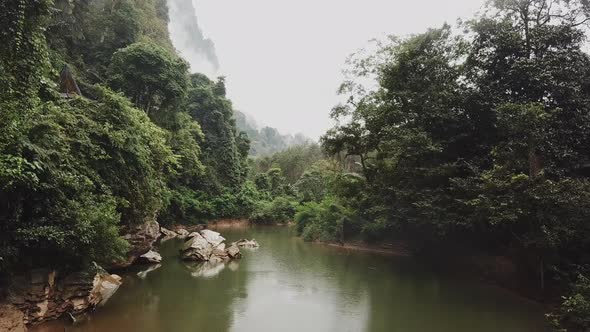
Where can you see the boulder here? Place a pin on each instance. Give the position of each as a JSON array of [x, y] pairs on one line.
[[220, 253], [167, 234], [245, 243], [208, 246], [196, 248], [150, 257], [212, 237], [193, 234], [234, 251], [182, 233], [104, 287]]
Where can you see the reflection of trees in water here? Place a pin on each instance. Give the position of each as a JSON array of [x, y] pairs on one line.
[[392, 293], [419, 300]]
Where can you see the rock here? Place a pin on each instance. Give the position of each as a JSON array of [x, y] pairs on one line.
[[196, 248], [43, 295], [105, 286], [141, 238], [193, 234], [150, 257], [182, 233], [143, 274], [208, 245], [167, 234], [245, 243], [11, 319], [233, 251], [212, 237]]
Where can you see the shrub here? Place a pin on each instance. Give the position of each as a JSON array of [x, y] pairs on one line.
[[280, 210]]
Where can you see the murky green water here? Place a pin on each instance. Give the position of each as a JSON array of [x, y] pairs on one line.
[[289, 285]]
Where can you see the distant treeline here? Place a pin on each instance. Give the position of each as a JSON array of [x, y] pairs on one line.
[[266, 140]]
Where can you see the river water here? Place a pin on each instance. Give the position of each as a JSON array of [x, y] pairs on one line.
[[289, 285]]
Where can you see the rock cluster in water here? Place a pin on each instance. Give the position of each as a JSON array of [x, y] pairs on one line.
[[208, 246], [245, 243]]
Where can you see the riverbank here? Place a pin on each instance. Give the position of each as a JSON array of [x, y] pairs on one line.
[[383, 249]]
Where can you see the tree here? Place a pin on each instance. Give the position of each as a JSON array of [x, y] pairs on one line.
[[224, 149], [154, 78]]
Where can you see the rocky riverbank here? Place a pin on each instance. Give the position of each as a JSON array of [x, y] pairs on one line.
[[42, 295]]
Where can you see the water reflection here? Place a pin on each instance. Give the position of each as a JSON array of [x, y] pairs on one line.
[[143, 274], [209, 269]]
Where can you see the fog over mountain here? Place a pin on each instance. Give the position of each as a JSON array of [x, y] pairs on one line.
[[189, 40], [266, 140]]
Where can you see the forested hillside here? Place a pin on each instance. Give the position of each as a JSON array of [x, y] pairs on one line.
[[145, 139]]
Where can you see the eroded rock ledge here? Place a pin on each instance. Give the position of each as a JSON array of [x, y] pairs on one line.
[[43, 295]]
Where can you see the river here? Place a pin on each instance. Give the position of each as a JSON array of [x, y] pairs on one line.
[[289, 285]]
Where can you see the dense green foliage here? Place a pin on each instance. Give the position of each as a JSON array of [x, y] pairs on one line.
[[74, 171], [479, 138]]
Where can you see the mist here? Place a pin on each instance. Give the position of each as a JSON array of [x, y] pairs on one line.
[[189, 39], [283, 60]]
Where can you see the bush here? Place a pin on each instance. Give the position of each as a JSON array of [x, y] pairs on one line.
[[79, 168], [323, 221], [574, 312], [280, 210]]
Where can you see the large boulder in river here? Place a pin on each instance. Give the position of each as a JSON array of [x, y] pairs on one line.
[[196, 248], [212, 237], [43, 295], [150, 257], [208, 246]]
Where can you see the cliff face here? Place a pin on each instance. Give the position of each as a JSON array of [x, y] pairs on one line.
[[43, 295]]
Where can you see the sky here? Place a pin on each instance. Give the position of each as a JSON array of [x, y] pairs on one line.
[[283, 60]]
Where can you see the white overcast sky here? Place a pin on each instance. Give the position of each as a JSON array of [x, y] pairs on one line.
[[283, 59]]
